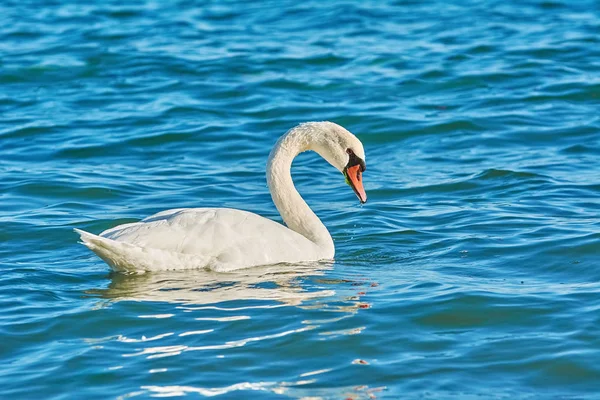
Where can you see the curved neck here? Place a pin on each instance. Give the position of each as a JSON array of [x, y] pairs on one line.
[[296, 214]]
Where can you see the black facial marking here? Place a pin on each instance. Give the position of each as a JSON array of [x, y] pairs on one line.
[[355, 160]]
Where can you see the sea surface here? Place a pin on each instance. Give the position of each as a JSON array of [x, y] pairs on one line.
[[473, 272]]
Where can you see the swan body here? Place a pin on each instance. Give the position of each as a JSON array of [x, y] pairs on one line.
[[223, 239]]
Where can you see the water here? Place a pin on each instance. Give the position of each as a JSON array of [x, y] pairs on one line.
[[472, 272]]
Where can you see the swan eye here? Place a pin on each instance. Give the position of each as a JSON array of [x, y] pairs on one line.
[[349, 151]]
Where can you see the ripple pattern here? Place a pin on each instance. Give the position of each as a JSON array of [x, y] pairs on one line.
[[471, 273]]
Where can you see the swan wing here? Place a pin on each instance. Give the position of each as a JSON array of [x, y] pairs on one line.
[[217, 238]]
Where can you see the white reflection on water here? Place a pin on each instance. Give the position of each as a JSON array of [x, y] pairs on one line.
[[292, 389], [170, 391], [278, 283], [209, 295]]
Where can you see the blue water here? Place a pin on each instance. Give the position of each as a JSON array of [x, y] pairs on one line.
[[472, 272]]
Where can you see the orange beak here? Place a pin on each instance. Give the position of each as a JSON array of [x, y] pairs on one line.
[[354, 179]]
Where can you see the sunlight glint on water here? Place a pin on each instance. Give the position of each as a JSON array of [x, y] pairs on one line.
[[472, 272]]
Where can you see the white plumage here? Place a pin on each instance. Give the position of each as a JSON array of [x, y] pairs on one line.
[[224, 239], [221, 239]]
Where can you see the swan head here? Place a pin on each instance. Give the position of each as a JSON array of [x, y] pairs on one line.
[[341, 149]]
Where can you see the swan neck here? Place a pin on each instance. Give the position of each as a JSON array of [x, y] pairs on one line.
[[296, 214]]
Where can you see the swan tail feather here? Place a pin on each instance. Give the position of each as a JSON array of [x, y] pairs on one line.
[[116, 254], [127, 257]]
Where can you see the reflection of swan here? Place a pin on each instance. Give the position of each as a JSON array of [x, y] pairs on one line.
[[274, 282], [225, 239]]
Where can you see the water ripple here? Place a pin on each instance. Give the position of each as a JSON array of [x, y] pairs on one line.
[[476, 255]]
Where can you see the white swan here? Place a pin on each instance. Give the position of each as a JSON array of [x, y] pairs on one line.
[[223, 239]]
